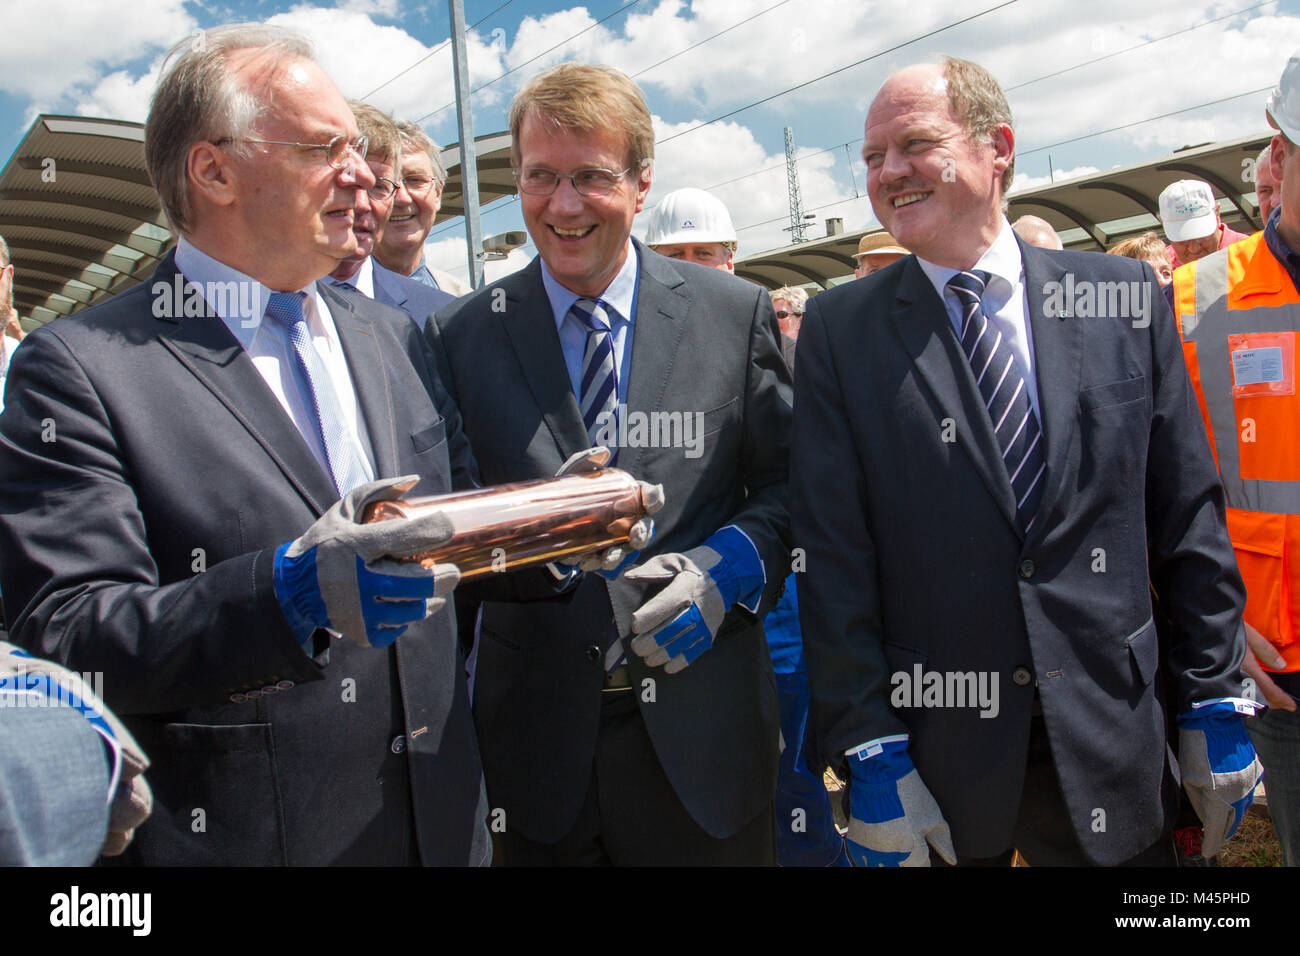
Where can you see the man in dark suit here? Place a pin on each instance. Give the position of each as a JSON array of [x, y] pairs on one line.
[[595, 751], [360, 272], [170, 469], [996, 449]]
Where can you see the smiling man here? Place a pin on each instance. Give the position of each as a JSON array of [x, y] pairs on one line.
[[636, 722], [374, 206], [1011, 480], [181, 486]]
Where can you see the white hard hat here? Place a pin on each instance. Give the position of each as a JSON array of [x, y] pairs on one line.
[[1283, 109], [690, 215]]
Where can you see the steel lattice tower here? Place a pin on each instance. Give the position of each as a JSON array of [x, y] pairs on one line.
[[792, 180]]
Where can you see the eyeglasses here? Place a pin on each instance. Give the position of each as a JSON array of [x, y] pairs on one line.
[[382, 189], [417, 185], [336, 150], [595, 183]]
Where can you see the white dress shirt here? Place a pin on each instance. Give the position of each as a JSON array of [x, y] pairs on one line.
[[363, 281], [272, 354], [1004, 302]]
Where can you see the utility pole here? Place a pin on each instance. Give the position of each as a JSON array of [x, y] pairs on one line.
[[792, 180], [468, 155]]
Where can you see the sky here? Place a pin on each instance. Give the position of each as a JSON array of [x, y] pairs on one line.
[[1091, 85]]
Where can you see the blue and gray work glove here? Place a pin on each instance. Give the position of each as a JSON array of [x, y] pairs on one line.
[[130, 801], [1220, 769], [610, 562], [679, 623], [892, 816], [340, 574]]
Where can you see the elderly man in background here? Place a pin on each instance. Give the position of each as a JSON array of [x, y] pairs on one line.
[[1037, 231], [359, 272], [1189, 214], [182, 484], [1268, 190], [694, 226], [875, 251], [415, 206]]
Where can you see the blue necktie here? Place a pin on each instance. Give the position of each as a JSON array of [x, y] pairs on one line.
[[598, 391], [347, 471], [1006, 396]]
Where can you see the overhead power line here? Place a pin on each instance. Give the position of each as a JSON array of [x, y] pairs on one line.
[[440, 46]]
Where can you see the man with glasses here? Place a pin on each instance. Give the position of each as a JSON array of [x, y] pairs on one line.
[[415, 206], [360, 273], [170, 488], [635, 722]]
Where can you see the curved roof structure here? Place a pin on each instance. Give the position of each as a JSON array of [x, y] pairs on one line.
[[1091, 212]]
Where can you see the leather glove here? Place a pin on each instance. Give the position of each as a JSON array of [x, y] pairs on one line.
[[339, 574], [679, 623], [611, 562], [892, 816], [1220, 770], [130, 801]]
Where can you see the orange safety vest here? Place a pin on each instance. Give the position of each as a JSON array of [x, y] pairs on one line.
[[1238, 314]]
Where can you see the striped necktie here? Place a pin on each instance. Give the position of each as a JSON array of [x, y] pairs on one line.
[[598, 391], [345, 468], [1005, 394]]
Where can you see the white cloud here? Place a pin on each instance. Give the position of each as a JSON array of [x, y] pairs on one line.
[[449, 255], [120, 96], [1023, 181], [54, 48]]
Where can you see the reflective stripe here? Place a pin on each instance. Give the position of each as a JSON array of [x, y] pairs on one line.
[[1210, 329]]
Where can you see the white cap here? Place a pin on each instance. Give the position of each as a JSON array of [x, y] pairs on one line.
[[1283, 107], [690, 215], [1188, 210]]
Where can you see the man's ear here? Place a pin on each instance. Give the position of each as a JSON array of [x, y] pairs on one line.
[[1003, 140], [643, 184], [210, 173]]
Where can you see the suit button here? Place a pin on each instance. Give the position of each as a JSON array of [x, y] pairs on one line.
[[284, 684], [399, 744], [253, 694], [1026, 569], [593, 653], [268, 689], [1021, 676], [237, 698]]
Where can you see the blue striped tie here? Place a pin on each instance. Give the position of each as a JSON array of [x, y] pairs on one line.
[[346, 470], [1006, 396], [598, 391]]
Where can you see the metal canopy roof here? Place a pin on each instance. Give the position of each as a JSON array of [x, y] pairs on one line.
[[1091, 212], [83, 222]]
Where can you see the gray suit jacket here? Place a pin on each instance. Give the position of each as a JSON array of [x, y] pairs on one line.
[[416, 299], [704, 345], [147, 475], [915, 563]]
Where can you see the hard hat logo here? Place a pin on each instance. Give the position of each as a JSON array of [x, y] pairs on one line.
[[690, 215]]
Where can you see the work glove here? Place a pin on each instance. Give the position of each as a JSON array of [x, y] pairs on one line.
[[679, 623], [130, 800], [1220, 770], [339, 574], [892, 816], [610, 563]]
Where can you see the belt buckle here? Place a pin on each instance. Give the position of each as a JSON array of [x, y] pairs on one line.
[[620, 678]]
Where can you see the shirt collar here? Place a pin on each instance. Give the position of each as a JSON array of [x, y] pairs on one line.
[[619, 296], [364, 279], [1283, 253], [243, 310], [1002, 261]]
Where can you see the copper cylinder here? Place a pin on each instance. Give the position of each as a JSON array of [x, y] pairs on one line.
[[526, 523]]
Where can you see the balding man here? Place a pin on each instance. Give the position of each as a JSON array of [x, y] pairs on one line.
[[1267, 189], [1037, 232], [986, 481], [182, 483]]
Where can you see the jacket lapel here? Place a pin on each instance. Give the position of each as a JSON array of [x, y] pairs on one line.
[[921, 321], [386, 290], [361, 348], [530, 325], [1057, 360], [206, 347], [656, 336]]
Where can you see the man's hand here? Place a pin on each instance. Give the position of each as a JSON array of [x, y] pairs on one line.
[[610, 562], [1260, 650], [1220, 770], [339, 575], [679, 623], [130, 799], [893, 819]]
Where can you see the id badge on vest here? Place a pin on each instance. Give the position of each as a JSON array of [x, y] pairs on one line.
[[1263, 363]]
